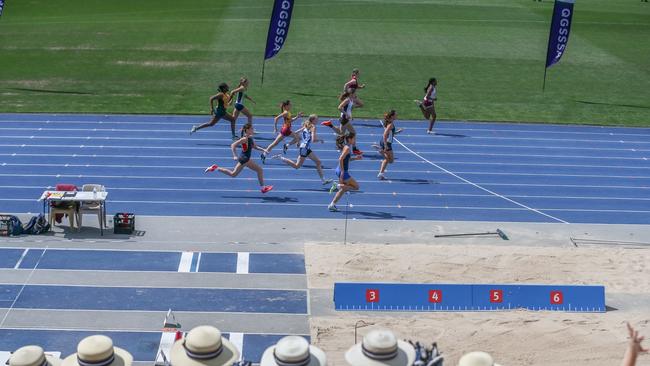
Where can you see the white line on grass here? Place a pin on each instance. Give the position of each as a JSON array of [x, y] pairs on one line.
[[480, 187]]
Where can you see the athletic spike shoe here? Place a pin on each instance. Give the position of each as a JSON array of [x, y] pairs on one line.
[[327, 123], [327, 181], [276, 156], [211, 168], [381, 176], [376, 147], [285, 147], [193, 130], [332, 208], [430, 132], [334, 188], [266, 189], [263, 157], [356, 151]]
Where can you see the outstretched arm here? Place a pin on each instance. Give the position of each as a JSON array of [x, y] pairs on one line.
[[634, 347]]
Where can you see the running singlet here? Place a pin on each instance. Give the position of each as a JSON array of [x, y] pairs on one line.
[[220, 111], [246, 149], [305, 142], [430, 96], [347, 110], [287, 119], [240, 97], [352, 85], [346, 161]]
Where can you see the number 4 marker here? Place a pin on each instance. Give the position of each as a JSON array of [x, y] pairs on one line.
[[435, 296]]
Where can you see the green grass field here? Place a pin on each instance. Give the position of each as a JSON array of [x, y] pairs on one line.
[[166, 56]]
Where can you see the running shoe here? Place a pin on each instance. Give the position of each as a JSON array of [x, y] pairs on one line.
[[334, 188], [327, 181], [376, 147], [211, 168], [327, 123], [430, 132], [263, 157], [332, 208], [285, 147], [276, 156], [266, 189], [356, 151], [418, 102], [381, 176], [193, 130]]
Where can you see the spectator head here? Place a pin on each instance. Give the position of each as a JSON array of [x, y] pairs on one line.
[[293, 351], [98, 350], [32, 356], [203, 346], [381, 348], [476, 359]]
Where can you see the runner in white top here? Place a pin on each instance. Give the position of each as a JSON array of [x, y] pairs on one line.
[[427, 105]]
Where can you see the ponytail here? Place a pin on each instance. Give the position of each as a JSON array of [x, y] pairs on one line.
[[388, 115], [431, 81], [244, 128]]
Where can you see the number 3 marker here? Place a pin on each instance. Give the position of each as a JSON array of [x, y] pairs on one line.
[[372, 295]]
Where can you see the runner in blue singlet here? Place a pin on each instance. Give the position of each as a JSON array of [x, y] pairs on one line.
[[386, 142], [346, 182], [307, 136]]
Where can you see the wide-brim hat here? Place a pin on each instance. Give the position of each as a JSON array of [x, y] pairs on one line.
[[293, 351], [32, 356], [98, 350], [381, 348], [204, 346], [477, 359]]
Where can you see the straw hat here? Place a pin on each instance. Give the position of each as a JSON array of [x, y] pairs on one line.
[[204, 346], [476, 359], [32, 356], [98, 350], [293, 351], [381, 348]]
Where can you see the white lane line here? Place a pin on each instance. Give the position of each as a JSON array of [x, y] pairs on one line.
[[226, 138], [186, 262], [198, 263], [20, 261], [281, 168], [488, 126], [238, 340], [13, 303], [438, 153], [243, 259], [480, 187], [415, 194], [539, 147]]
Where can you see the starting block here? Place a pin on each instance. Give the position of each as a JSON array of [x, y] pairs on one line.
[[171, 332], [467, 297]]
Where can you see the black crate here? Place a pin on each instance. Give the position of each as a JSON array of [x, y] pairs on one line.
[[124, 223], [5, 225]]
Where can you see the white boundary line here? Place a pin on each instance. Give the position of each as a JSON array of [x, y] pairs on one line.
[[480, 187], [90, 138], [31, 273], [190, 120], [264, 131]]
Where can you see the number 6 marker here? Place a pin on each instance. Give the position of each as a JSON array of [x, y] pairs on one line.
[[557, 298]]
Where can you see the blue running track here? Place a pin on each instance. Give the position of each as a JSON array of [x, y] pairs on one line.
[[467, 171]]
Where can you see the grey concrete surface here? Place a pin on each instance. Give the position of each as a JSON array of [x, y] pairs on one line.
[[153, 279]]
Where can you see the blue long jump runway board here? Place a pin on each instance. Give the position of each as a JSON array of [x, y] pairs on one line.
[[124, 260], [142, 345], [467, 171], [465, 297], [154, 299]]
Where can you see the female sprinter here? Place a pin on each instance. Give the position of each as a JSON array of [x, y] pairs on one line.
[[346, 182], [386, 143], [223, 101], [239, 101], [352, 86], [308, 135], [427, 105], [348, 101], [244, 159], [285, 107]]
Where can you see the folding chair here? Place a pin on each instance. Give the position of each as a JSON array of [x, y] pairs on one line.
[[92, 207], [64, 208]]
